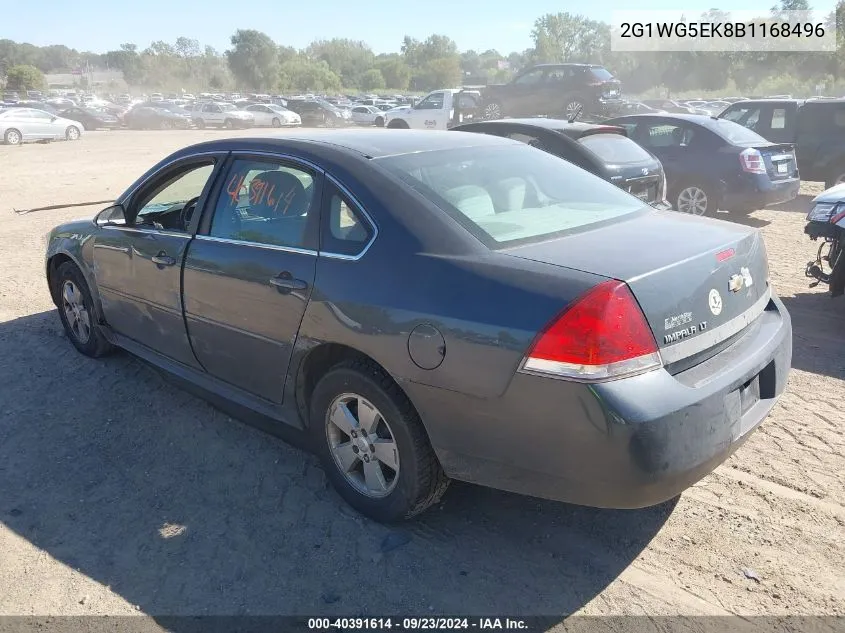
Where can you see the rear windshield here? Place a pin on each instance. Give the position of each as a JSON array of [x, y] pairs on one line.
[[735, 133], [511, 194], [615, 149], [601, 73]]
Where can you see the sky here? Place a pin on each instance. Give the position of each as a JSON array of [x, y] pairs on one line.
[[504, 25]]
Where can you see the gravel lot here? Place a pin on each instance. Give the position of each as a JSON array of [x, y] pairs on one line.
[[122, 494]]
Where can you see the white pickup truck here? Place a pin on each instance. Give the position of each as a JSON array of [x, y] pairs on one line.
[[435, 111]]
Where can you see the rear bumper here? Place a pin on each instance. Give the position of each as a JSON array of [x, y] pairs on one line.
[[624, 444], [759, 192]]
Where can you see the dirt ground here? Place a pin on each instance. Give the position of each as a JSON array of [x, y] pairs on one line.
[[122, 494]]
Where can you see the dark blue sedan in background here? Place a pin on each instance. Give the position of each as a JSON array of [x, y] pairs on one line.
[[714, 164]]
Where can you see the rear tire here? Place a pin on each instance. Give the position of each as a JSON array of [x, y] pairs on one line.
[[229, 124], [379, 121], [571, 103], [276, 123], [200, 124], [77, 311], [398, 124], [417, 481], [694, 199]]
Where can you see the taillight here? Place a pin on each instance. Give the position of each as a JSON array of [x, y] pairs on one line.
[[752, 161], [603, 335]]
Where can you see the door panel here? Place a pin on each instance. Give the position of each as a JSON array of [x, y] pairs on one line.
[[138, 265], [243, 327], [141, 299], [248, 277]]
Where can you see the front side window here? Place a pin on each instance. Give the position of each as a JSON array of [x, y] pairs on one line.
[[265, 202], [432, 102], [513, 193], [160, 206]]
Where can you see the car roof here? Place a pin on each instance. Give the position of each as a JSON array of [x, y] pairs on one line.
[[556, 125], [375, 143], [746, 102]]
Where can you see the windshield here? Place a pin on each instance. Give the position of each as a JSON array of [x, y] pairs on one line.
[[615, 148], [601, 73], [513, 193], [735, 133]]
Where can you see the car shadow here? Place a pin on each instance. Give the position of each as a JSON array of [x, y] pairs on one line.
[[139, 485], [744, 219], [800, 204], [818, 336]]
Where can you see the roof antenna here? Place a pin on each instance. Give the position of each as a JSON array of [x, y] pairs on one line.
[[575, 113]]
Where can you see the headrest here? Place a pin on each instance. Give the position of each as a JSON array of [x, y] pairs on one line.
[[471, 200], [277, 193]]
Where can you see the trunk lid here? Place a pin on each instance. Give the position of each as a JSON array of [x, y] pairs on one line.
[[695, 279], [779, 159]]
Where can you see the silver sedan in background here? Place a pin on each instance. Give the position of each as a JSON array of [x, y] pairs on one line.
[[365, 114], [18, 125], [273, 115]]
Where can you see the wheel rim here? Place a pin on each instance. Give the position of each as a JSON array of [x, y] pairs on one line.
[[362, 445], [73, 134], [277, 123], [572, 106], [692, 200], [492, 111], [228, 124], [13, 138], [75, 312]]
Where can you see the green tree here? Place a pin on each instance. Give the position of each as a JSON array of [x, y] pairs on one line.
[[395, 72], [24, 77], [348, 58], [373, 80], [565, 37], [253, 59], [303, 74]]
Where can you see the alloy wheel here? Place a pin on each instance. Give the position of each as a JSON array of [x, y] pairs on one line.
[[75, 312], [13, 137], [72, 133], [572, 106], [362, 445], [692, 200], [493, 111]]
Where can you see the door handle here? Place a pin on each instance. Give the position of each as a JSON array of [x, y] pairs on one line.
[[163, 259], [286, 283]]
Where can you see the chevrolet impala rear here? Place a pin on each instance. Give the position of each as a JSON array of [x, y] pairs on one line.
[[672, 349]]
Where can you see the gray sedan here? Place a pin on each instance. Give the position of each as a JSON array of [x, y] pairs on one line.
[[18, 125], [423, 306]]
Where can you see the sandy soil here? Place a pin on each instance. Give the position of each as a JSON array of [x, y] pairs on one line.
[[122, 494]]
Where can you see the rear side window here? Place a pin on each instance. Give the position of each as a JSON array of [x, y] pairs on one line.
[[345, 230], [779, 119], [615, 148], [264, 202]]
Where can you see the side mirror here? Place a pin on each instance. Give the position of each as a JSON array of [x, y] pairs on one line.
[[114, 215]]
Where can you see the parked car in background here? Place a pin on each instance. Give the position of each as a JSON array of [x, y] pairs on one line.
[[554, 90], [552, 351], [221, 114], [314, 112], [272, 115], [603, 150], [816, 127], [365, 114], [37, 105], [714, 164], [155, 115], [668, 105], [91, 118], [19, 125], [638, 107]]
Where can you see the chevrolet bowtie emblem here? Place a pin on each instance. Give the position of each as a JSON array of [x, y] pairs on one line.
[[735, 283]]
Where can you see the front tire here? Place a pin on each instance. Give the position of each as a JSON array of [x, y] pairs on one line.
[[694, 199], [379, 121], [13, 137], [372, 443], [398, 124], [200, 123], [77, 312], [72, 133], [229, 124]]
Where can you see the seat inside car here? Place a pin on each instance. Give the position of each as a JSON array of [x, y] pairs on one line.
[[471, 200], [281, 200], [509, 194]]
